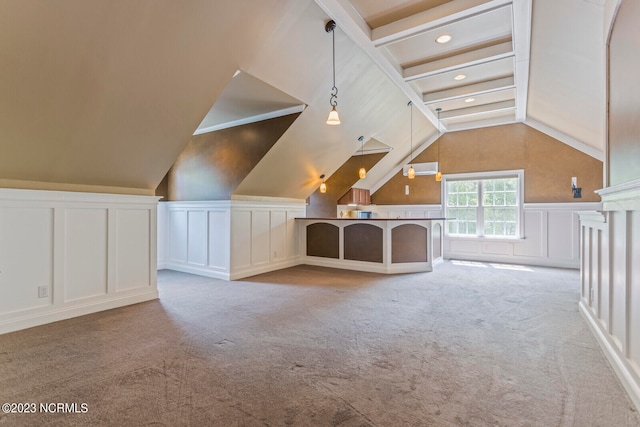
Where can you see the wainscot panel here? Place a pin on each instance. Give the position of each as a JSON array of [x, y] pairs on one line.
[[230, 239], [610, 276], [66, 254]]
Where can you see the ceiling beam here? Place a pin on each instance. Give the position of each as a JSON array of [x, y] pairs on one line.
[[483, 123], [467, 59], [522, 46], [449, 12], [469, 90], [478, 109]]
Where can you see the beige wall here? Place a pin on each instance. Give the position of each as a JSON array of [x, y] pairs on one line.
[[325, 205], [624, 95], [213, 164], [548, 164]]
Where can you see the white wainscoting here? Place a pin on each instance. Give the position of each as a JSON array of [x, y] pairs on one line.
[[551, 238], [551, 234], [610, 279], [87, 252], [229, 239]]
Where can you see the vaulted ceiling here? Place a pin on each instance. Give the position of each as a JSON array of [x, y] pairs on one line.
[[105, 94]]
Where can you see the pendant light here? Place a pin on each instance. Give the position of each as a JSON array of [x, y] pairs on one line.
[[362, 173], [333, 100], [323, 186], [411, 173], [438, 173]]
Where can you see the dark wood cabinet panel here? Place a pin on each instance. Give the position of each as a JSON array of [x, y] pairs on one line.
[[356, 196]]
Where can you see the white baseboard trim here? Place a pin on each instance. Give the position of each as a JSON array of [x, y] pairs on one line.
[[619, 364], [252, 271], [515, 259], [240, 273], [200, 271], [370, 267], [64, 313]]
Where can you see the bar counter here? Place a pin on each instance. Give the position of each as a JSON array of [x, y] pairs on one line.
[[380, 245]]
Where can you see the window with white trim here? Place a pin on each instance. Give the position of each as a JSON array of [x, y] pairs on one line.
[[484, 204]]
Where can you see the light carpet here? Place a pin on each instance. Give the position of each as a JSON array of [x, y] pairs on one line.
[[470, 344]]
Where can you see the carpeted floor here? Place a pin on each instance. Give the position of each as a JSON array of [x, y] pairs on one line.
[[470, 344]]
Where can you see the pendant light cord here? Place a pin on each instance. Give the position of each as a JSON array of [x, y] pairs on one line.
[[438, 110], [334, 90], [411, 131]]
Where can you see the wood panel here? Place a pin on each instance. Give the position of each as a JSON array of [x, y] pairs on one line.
[[260, 237], [618, 289], [91, 252], [241, 239], [633, 281], [218, 240], [133, 249], [178, 236], [197, 237], [26, 237], [323, 240], [409, 244], [356, 196], [85, 257], [363, 242], [278, 234]]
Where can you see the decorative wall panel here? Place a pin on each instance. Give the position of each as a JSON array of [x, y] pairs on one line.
[[363, 242], [409, 243], [65, 254], [323, 240], [230, 239]]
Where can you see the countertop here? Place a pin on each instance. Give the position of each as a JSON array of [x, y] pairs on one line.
[[372, 219]]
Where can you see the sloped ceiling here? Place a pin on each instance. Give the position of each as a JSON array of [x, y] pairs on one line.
[[566, 78], [370, 105], [107, 93]]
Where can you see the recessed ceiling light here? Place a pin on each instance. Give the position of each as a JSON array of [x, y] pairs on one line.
[[460, 77], [469, 100], [445, 38]]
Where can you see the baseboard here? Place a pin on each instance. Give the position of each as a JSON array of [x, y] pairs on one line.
[[370, 267], [515, 259], [235, 275], [64, 313], [200, 271], [252, 271], [618, 362]]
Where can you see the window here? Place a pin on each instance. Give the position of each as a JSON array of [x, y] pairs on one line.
[[483, 205]]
